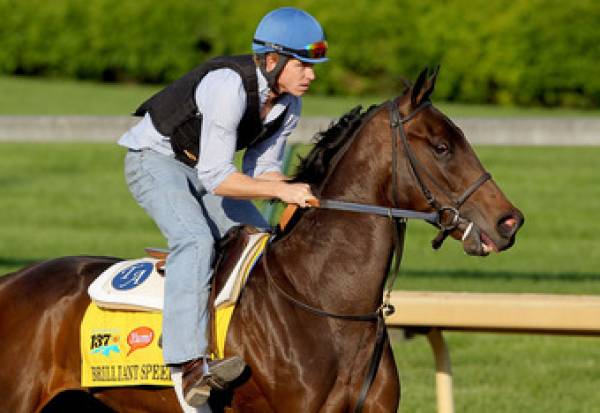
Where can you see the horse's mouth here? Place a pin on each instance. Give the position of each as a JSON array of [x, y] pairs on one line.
[[477, 242], [487, 245]]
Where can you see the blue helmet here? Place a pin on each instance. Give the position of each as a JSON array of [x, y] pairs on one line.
[[291, 32]]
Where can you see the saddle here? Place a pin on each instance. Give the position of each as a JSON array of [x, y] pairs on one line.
[[138, 285], [229, 250], [120, 333]]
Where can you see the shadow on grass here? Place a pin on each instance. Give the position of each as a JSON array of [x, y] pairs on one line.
[[13, 264], [504, 275]]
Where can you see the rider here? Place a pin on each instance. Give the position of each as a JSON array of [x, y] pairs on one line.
[[179, 168]]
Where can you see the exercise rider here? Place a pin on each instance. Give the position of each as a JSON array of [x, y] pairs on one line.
[[179, 168]]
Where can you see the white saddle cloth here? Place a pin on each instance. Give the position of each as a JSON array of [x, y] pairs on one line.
[[136, 285], [129, 285]]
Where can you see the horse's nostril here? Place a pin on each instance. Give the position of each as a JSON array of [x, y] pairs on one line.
[[509, 224]]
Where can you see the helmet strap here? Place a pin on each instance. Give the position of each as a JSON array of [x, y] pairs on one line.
[[273, 75]]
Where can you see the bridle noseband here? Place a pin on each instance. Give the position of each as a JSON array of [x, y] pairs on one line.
[[447, 218]]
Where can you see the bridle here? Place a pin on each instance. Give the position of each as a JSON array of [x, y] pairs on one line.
[[448, 216], [445, 217]]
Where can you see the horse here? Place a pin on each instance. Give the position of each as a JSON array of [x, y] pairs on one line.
[[403, 154]]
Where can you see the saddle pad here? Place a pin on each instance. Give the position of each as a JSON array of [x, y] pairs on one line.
[[121, 348], [136, 285], [129, 285], [236, 280]]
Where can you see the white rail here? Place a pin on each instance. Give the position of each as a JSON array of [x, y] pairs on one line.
[[484, 131], [522, 313]]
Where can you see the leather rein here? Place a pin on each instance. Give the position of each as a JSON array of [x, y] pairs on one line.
[[446, 218]]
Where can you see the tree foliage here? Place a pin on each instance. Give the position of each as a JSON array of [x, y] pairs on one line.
[[535, 52]]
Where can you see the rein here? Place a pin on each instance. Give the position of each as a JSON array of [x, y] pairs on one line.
[[447, 218], [431, 217]]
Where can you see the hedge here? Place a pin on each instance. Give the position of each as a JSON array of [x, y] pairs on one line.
[[535, 52]]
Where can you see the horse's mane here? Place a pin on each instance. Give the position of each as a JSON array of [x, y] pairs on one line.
[[316, 165]]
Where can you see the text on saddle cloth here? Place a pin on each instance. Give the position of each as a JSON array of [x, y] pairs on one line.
[[122, 348]]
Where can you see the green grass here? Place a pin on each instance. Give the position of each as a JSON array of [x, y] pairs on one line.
[[35, 96], [504, 373], [69, 199]]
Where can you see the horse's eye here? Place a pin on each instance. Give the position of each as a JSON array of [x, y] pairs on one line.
[[441, 148]]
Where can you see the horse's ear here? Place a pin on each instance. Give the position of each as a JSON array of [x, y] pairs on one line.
[[417, 88], [429, 85], [423, 87], [406, 83]]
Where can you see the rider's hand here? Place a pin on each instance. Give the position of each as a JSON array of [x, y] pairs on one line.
[[296, 193]]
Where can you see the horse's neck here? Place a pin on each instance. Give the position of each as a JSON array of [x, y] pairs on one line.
[[338, 260]]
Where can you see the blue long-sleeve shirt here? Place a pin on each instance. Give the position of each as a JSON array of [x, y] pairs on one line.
[[221, 99]]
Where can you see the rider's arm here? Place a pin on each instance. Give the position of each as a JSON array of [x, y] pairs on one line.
[[273, 176], [238, 185], [221, 99]]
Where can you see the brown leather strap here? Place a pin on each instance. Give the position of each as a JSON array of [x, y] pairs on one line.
[[159, 266], [157, 253], [287, 214], [378, 347], [291, 209]]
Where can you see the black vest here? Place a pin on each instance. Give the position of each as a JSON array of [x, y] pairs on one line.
[[174, 112]]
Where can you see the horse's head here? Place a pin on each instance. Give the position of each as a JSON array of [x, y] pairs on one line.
[[447, 175], [426, 166]]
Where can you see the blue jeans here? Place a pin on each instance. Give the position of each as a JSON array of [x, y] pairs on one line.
[[191, 220]]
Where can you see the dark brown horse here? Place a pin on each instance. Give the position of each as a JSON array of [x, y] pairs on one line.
[[331, 260]]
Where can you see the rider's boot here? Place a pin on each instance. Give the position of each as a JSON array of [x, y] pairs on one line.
[[201, 375]]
